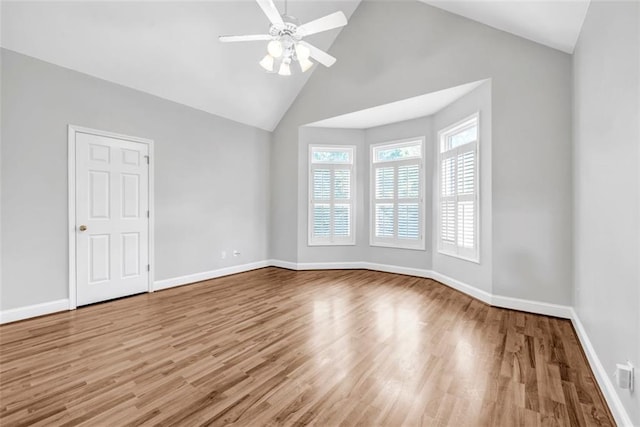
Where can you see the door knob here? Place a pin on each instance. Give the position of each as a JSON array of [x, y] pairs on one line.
[[83, 228]]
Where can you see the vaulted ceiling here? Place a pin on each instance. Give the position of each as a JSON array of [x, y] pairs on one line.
[[554, 23], [171, 50]]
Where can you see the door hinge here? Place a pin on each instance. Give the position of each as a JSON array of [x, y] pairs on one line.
[[148, 267], [147, 157]]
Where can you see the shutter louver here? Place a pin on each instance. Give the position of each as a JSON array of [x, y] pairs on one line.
[[466, 219], [466, 173], [384, 183], [448, 177], [342, 220], [321, 220], [409, 182], [448, 221], [408, 221], [384, 220], [342, 184], [322, 184]]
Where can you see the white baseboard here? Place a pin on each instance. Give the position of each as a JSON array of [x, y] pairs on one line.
[[529, 306], [602, 377], [283, 264], [198, 277], [21, 313], [538, 307], [330, 266], [472, 291], [387, 268]]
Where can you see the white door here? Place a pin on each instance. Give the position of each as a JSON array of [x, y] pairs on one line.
[[112, 224]]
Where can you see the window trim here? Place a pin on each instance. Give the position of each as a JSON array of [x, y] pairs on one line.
[[456, 127], [396, 243], [351, 166]]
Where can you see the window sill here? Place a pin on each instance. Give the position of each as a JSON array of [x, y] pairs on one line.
[[316, 244], [397, 246], [460, 257]]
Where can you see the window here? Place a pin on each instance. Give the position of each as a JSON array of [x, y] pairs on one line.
[[397, 207], [331, 195], [458, 189]]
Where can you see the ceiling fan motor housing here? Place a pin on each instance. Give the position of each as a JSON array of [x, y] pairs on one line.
[[289, 29]]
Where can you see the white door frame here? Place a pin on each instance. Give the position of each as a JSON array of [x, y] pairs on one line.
[[73, 130]]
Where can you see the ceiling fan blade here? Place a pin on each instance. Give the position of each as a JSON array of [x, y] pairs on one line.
[[319, 55], [325, 23], [270, 9], [249, 38]]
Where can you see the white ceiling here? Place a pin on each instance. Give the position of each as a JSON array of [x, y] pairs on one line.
[[399, 111], [554, 23], [169, 49]]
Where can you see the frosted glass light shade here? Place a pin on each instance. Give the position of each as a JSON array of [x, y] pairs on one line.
[[275, 48], [267, 63], [305, 64], [285, 69]]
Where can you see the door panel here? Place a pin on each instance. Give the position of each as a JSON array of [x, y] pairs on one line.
[[99, 258], [130, 254], [130, 196], [99, 194], [112, 201]]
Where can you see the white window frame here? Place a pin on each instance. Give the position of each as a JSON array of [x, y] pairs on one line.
[[454, 250], [332, 240], [395, 242]]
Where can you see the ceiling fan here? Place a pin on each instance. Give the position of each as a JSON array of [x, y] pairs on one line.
[[286, 44]]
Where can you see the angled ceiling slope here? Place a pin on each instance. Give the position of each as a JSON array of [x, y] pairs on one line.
[[399, 111], [553, 23], [169, 49]]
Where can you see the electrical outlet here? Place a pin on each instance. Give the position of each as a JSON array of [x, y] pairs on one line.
[[236, 252], [223, 254], [624, 376]]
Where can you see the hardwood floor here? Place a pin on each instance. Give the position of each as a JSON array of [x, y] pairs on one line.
[[278, 347]]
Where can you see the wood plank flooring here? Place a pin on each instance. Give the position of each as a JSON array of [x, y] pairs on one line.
[[278, 347]]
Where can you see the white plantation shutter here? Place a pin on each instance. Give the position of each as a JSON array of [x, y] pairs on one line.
[[409, 181], [331, 199], [385, 221], [448, 221], [321, 219], [458, 190], [397, 200], [322, 184], [385, 183], [408, 221], [466, 232], [342, 220], [341, 184]]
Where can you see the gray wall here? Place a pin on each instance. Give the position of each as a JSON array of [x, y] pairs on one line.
[[531, 129], [471, 273], [607, 185], [211, 177]]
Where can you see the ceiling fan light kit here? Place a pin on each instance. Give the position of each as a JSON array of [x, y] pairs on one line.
[[285, 40]]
